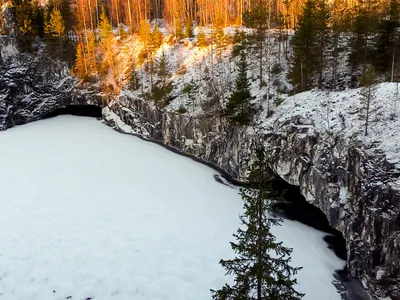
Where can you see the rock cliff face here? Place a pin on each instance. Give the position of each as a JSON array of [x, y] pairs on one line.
[[33, 84], [352, 186]]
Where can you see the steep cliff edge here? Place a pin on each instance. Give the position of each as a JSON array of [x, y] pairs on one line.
[[32, 85], [353, 185]]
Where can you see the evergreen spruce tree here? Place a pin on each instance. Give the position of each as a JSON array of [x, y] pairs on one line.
[[65, 9], [38, 18], [257, 17], [386, 45], [134, 77], [340, 19], [220, 40], [80, 68], [161, 92], [106, 42], [179, 33], [146, 37], [28, 16], [190, 89], [324, 37], [239, 109], [364, 26], [368, 81], [91, 53], [261, 267], [26, 27], [123, 34], [239, 41], [156, 39], [162, 67], [202, 39], [105, 27], [144, 32], [305, 54], [189, 27], [56, 26]]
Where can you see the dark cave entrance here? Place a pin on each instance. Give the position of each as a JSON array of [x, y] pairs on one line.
[[77, 110], [298, 209]]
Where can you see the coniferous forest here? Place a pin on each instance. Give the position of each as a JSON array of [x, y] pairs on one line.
[[316, 37]]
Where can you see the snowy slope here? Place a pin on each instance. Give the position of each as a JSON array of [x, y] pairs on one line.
[[342, 114], [214, 73], [91, 214]]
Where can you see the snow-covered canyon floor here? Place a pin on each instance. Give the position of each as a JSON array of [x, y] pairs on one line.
[[87, 213]]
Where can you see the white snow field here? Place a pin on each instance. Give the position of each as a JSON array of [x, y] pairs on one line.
[[88, 213]]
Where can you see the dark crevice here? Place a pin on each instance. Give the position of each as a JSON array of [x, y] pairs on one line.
[[76, 110], [297, 208]]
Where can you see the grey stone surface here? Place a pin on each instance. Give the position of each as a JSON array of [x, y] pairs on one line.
[[352, 186], [32, 85]]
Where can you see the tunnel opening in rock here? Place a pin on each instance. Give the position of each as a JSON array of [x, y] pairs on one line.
[[77, 110], [297, 208]]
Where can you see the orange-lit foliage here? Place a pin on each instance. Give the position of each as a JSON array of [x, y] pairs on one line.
[[203, 12]]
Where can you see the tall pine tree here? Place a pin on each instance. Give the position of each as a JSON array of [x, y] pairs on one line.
[[106, 41], [239, 109], [324, 37], [29, 17], [340, 19], [262, 267], [55, 26], [161, 92], [80, 69], [364, 26], [257, 17], [305, 52], [387, 40], [105, 26], [368, 81], [91, 53]]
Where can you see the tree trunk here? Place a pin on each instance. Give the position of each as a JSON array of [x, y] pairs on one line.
[[396, 99], [261, 37], [393, 59], [259, 250], [368, 103], [321, 62], [90, 15], [97, 13], [364, 59], [335, 60], [302, 76], [130, 17]]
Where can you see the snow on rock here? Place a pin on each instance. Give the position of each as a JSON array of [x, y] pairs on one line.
[[33, 85], [341, 114], [9, 14], [98, 215], [350, 177]]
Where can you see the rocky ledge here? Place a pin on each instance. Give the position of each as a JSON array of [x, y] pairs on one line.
[[33, 85], [353, 187]]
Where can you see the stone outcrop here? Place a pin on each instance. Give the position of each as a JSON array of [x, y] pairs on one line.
[[10, 20], [352, 186], [33, 84]]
